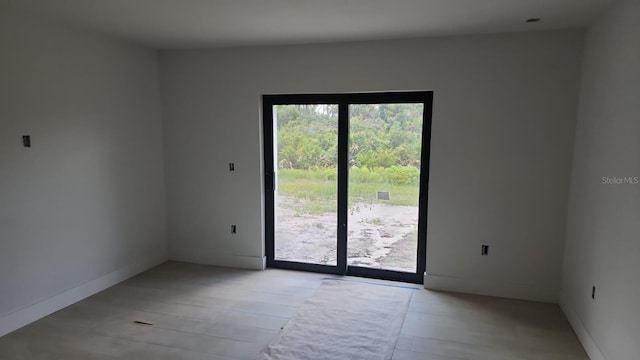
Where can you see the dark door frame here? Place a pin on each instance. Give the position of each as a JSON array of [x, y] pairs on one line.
[[343, 101]]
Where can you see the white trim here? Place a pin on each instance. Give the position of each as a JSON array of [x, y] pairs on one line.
[[489, 287], [17, 319], [226, 260], [589, 345]]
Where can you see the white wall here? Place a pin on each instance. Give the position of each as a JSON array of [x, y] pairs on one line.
[[603, 228], [504, 115], [84, 207]]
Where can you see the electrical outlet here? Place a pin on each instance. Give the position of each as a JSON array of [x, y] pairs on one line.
[[232, 167], [593, 292], [485, 250], [26, 140], [233, 229]]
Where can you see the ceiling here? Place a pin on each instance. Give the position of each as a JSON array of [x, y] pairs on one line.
[[216, 23]]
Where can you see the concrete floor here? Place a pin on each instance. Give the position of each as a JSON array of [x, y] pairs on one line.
[[203, 312]]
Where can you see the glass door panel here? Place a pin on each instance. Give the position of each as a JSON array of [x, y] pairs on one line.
[[385, 146], [306, 188]]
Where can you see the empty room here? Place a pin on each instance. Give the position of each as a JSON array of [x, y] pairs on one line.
[[340, 179]]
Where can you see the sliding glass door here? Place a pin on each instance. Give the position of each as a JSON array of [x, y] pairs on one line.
[[346, 179]]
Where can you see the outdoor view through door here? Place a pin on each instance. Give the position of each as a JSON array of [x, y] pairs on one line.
[[346, 182]]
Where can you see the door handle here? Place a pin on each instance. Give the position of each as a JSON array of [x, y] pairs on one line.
[[270, 180]]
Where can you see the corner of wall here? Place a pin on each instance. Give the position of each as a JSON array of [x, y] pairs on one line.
[[15, 320], [588, 343]]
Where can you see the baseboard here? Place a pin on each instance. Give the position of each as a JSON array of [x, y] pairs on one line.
[[227, 260], [31, 313], [589, 345], [481, 286]]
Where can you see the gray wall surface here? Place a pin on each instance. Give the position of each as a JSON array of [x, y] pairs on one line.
[[502, 139], [87, 198], [603, 227]]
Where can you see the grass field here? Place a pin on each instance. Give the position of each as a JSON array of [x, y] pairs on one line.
[[316, 190]]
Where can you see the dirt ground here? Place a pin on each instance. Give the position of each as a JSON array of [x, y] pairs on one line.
[[379, 235]]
